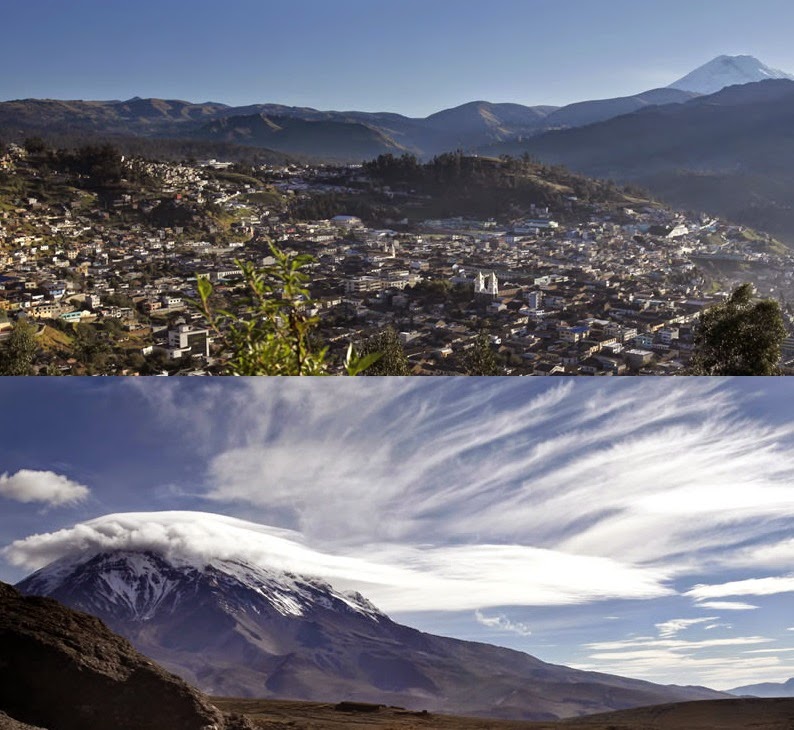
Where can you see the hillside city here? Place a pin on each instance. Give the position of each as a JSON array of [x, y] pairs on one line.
[[578, 287]]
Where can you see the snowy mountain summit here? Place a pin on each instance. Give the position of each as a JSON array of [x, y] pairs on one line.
[[727, 71], [138, 586]]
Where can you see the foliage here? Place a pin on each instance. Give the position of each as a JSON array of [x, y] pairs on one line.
[[392, 360], [34, 145], [480, 359], [271, 335], [484, 186], [91, 348], [739, 336], [327, 205], [19, 350], [102, 164]]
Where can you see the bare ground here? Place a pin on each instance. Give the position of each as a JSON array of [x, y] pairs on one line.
[[738, 714]]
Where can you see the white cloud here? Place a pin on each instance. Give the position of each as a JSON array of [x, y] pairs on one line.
[[750, 587], [28, 485], [642, 643], [681, 481], [397, 578], [677, 625], [719, 670], [726, 606], [502, 623], [769, 651]]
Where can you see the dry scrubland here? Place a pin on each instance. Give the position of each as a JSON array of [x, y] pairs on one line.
[[758, 714]]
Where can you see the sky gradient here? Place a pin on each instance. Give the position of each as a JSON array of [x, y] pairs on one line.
[[408, 56], [639, 527]]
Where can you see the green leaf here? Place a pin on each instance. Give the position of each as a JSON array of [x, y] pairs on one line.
[[204, 288]]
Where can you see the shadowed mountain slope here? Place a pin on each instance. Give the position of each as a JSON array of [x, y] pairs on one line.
[[240, 630]]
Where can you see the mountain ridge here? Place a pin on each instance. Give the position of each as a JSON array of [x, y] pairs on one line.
[[727, 153], [766, 689], [237, 629], [344, 136]]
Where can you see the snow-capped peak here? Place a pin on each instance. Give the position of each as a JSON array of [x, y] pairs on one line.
[[139, 585], [727, 71]]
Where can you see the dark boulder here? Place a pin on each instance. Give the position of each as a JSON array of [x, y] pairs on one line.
[[65, 670]]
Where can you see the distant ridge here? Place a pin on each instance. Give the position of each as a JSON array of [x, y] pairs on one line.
[[766, 689]]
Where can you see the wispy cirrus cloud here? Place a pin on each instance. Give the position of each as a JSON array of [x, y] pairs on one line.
[[675, 626], [767, 586], [727, 606], [667, 472], [493, 495]]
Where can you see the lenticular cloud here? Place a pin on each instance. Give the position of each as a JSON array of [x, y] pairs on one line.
[[396, 577]]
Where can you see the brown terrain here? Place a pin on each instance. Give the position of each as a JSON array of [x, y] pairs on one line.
[[61, 669], [65, 670], [736, 714]]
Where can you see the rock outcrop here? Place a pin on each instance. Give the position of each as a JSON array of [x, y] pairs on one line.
[[65, 670]]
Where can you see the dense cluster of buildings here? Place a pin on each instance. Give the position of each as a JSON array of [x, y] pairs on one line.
[[616, 293]]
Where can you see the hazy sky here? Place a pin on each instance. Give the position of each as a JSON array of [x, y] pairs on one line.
[[640, 526], [409, 56]]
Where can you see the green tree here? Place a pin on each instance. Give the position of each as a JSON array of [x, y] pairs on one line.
[[392, 360], [480, 359], [271, 333], [34, 145], [19, 350], [90, 348], [270, 336], [741, 336]]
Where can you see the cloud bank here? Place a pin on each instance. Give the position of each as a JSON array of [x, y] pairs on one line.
[[28, 485]]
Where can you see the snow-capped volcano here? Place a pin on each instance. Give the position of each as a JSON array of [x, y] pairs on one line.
[[234, 628], [140, 586], [727, 71]]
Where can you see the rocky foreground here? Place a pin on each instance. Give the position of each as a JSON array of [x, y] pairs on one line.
[[65, 670]]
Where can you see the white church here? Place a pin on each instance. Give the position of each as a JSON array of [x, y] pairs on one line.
[[486, 284]]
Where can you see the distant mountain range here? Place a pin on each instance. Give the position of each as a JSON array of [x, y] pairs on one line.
[[350, 135], [717, 139], [233, 628], [729, 153], [766, 689]]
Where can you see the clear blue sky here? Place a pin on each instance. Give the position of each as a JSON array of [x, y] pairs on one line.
[[409, 56], [639, 526]]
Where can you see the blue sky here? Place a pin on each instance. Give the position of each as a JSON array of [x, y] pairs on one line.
[[637, 526], [409, 56]]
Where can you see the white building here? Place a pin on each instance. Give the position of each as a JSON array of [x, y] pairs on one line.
[[486, 284], [187, 341]]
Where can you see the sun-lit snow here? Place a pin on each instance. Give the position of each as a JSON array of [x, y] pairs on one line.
[[143, 583], [727, 71]]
